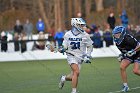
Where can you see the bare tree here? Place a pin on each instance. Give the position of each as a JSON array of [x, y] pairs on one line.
[[58, 16], [49, 9], [63, 14], [99, 5], [124, 4], [42, 11], [88, 8], [70, 8], [77, 7], [119, 8]]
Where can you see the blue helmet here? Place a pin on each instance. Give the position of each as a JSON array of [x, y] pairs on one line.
[[116, 30]]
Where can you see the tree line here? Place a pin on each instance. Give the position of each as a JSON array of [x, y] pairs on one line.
[[57, 13]]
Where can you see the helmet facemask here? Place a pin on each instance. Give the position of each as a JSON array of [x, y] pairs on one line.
[[118, 34], [78, 23]]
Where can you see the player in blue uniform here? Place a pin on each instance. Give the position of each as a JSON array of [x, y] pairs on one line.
[[130, 53]]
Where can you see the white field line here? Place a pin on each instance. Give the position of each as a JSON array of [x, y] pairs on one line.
[[121, 91]]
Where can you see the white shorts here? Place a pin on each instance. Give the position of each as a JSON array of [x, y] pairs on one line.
[[75, 60]]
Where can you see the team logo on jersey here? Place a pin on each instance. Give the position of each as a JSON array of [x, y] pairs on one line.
[[75, 39]]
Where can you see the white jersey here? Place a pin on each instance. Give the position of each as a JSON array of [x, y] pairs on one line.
[[76, 42]]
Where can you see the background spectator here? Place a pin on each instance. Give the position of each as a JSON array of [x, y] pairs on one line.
[[131, 30], [101, 33], [18, 28], [40, 26], [3, 41], [111, 20], [124, 19], [59, 37], [79, 14], [108, 36], [23, 42], [93, 28], [87, 30], [137, 34], [28, 28], [41, 43], [96, 37], [51, 34]]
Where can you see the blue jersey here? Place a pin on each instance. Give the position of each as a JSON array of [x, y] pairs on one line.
[[40, 26]]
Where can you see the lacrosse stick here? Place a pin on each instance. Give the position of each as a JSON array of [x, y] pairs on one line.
[[55, 49], [52, 48], [76, 55], [127, 54]]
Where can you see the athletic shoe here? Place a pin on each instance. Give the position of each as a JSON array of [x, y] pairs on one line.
[[74, 92], [62, 81], [125, 89]]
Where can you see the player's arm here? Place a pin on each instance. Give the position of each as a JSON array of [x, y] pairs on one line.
[[88, 56], [137, 48], [89, 50], [89, 46], [133, 42], [133, 51]]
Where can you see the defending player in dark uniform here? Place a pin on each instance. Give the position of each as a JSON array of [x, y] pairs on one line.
[[130, 53]]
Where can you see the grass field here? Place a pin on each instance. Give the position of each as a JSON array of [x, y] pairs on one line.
[[102, 76]]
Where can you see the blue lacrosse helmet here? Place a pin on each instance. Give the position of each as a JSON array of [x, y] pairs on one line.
[[116, 30]]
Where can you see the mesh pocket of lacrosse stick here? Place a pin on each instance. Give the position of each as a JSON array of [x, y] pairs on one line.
[[51, 48]]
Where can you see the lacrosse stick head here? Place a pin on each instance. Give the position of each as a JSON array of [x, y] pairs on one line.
[[51, 47]]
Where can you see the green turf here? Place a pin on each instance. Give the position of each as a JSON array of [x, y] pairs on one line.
[[102, 76]]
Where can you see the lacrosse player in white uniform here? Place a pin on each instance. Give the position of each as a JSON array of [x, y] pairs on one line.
[[78, 47]]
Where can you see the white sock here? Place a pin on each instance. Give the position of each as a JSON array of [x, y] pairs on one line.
[[125, 84], [74, 90]]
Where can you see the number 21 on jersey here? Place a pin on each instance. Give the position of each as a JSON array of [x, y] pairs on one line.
[[75, 45]]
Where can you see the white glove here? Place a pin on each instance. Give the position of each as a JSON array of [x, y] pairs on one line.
[[120, 57], [131, 53], [86, 59]]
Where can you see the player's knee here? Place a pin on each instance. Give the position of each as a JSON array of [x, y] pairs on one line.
[[122, 68], [76, 73]]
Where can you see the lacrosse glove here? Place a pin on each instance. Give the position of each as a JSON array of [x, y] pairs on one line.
[[131, 53], [62, 49], [120, 57], [86, 59]]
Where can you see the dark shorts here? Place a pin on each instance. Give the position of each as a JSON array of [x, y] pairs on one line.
[[132, 59]]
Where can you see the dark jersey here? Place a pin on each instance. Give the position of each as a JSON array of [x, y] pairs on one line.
[[128, 43]]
